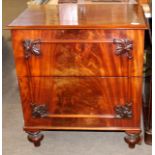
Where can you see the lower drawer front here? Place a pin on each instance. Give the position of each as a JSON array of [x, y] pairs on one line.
[[81, 102]]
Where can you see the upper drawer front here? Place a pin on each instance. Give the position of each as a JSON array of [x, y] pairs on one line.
[[111, 53]]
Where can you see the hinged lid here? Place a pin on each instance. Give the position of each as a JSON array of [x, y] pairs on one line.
[[71, 16]]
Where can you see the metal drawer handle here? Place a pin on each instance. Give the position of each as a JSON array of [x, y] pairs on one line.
[[31, 47], [124, 46], [123, 111]]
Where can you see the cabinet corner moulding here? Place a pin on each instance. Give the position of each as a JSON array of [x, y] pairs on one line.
[[31, 47], [124, 111], [123, 47]]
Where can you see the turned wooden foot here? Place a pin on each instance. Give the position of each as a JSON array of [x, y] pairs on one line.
[[132, 139], [148, 137], [35, 137]]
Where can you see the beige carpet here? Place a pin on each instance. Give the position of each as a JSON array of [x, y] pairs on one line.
[[56, 142]]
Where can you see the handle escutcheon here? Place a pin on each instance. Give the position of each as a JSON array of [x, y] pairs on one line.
[[31, 47], [39, 111], [124, 111], [123, 47]]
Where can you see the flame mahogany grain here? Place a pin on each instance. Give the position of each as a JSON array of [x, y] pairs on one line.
[[72, 75], [91, 107], [89, 53]]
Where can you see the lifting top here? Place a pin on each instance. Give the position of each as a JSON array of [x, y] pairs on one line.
[[81, 16]]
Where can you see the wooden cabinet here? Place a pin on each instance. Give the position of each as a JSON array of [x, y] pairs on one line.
[[83, 76]]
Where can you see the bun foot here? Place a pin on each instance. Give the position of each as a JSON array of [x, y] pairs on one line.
[[132, 139], [148, 137], [35, 138]]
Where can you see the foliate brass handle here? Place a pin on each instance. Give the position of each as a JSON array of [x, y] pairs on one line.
[[123, 47], [39, 111], [124, 111], [31, 47]]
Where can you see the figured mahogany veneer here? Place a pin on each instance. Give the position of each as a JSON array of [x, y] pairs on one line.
[[79, 67], [67, 100], [89, 53]]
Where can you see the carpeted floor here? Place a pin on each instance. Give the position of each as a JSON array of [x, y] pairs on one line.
[[56, 142]]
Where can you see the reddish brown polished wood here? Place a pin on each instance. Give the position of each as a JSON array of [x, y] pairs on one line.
[[143, 1], [78, 53], [107, 16], [79, 67], [68, 106]]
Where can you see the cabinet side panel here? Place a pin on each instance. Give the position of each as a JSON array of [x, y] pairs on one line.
[[25, 96], [136, 63], [18, 50]]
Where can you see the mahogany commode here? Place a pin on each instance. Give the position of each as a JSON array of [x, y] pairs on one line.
[[80, 70]]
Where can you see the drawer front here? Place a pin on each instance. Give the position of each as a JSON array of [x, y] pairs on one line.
[[104, 55], [81, 102]]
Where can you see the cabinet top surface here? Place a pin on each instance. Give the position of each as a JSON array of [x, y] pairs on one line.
[[106, 16]]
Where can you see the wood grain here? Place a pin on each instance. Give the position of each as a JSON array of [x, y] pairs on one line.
[[63, 53], [143, 1], [84, 16], [79, 67], [68, 106]]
